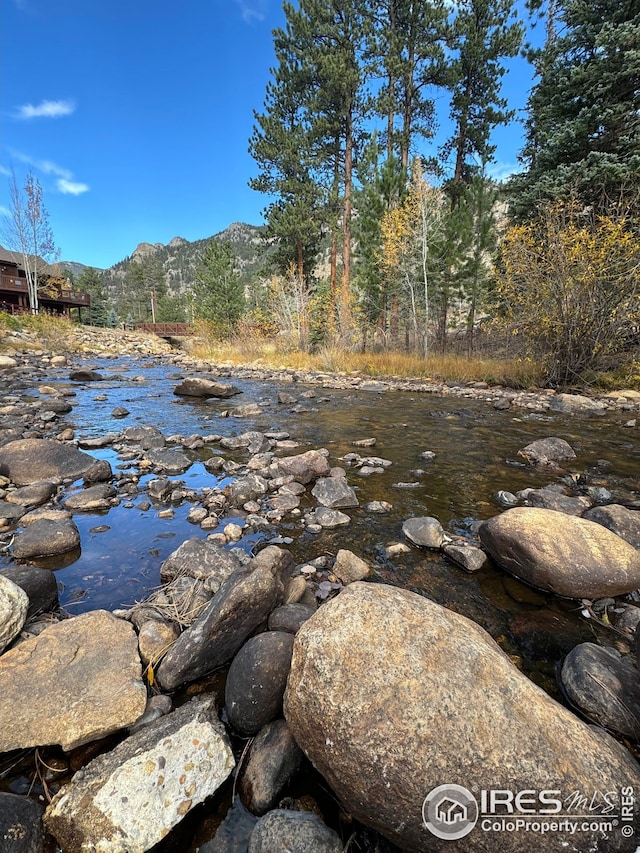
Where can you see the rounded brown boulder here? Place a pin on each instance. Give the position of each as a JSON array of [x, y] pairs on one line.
[[391, 696], [563, 554]]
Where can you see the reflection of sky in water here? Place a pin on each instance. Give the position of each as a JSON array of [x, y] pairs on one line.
[[476, 451]]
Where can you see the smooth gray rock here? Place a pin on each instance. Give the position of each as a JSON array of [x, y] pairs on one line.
[[11, 513], [254, 441], [249, 488], [33, 495], [547, 450], [147, 436], [39, 584], [620, 520], [130, 798], [14, 603], [283, 831], [274, 757], [560, 553], [169, 461], [548, 499], [335, 493], [93, 499], [201, 560], [62, 687], [46, 538], [425, 532], [196, 387], [98, 473], [305, 467], [31, 460], [329, 518], [468, 557], [256, 681], [85, 374], [233, 834], [240, 606], [290, 617], [573, 404], [605, 686], [21, 829]]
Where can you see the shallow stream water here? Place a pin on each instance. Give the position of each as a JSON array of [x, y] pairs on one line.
[[476, 455]]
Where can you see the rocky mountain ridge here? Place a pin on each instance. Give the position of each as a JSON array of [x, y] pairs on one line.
[[179, 258]]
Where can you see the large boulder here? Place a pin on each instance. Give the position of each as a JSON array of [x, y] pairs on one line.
[[202, 560], [622, 521], [30, 460], [305, 467], [238, 608], [545, 451], [604, 686], [14, 603], [46, 538], [576, 404], [335, 493], [39, 584], [196, 387], [79, 680], [256, 681], [21, 829], [130, 798], [391, 696], [560, 553]]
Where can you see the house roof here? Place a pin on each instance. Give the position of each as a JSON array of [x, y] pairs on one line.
[[9, 257]]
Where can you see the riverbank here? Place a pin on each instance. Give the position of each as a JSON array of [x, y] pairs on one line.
[[52, 336], [297, 662]]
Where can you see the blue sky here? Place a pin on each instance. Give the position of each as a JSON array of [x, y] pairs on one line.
[[135, 116]]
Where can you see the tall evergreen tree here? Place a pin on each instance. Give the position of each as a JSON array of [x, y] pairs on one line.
[[406, 49], [218, 290], [282, 146], [484, 35], [583, 129], [90, 281]]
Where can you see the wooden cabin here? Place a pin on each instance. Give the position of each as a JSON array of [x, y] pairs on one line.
[[55, 294]]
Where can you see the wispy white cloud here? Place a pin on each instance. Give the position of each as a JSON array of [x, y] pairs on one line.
[[4, 211], [71, 187], [45, 109], [252, 10], [5, 171], [64, 183]]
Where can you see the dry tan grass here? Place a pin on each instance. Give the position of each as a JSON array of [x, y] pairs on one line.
[[439, 368]]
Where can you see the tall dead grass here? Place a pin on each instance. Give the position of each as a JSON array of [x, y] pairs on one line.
[[273, 353]]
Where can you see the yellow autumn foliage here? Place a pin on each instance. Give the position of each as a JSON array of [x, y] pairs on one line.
[[569, 286]]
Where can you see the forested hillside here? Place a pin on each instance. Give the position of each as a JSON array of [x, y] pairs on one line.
[[379, 237]]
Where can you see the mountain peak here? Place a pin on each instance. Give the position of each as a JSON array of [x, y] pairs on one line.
[[143, 250]]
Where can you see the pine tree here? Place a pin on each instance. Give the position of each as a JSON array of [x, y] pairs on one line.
[[406, 49], [218, 291], [90, 281], [583, 130], [484, 35], [282, 146]]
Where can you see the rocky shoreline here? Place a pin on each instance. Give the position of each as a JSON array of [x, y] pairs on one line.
[[387, 694]]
